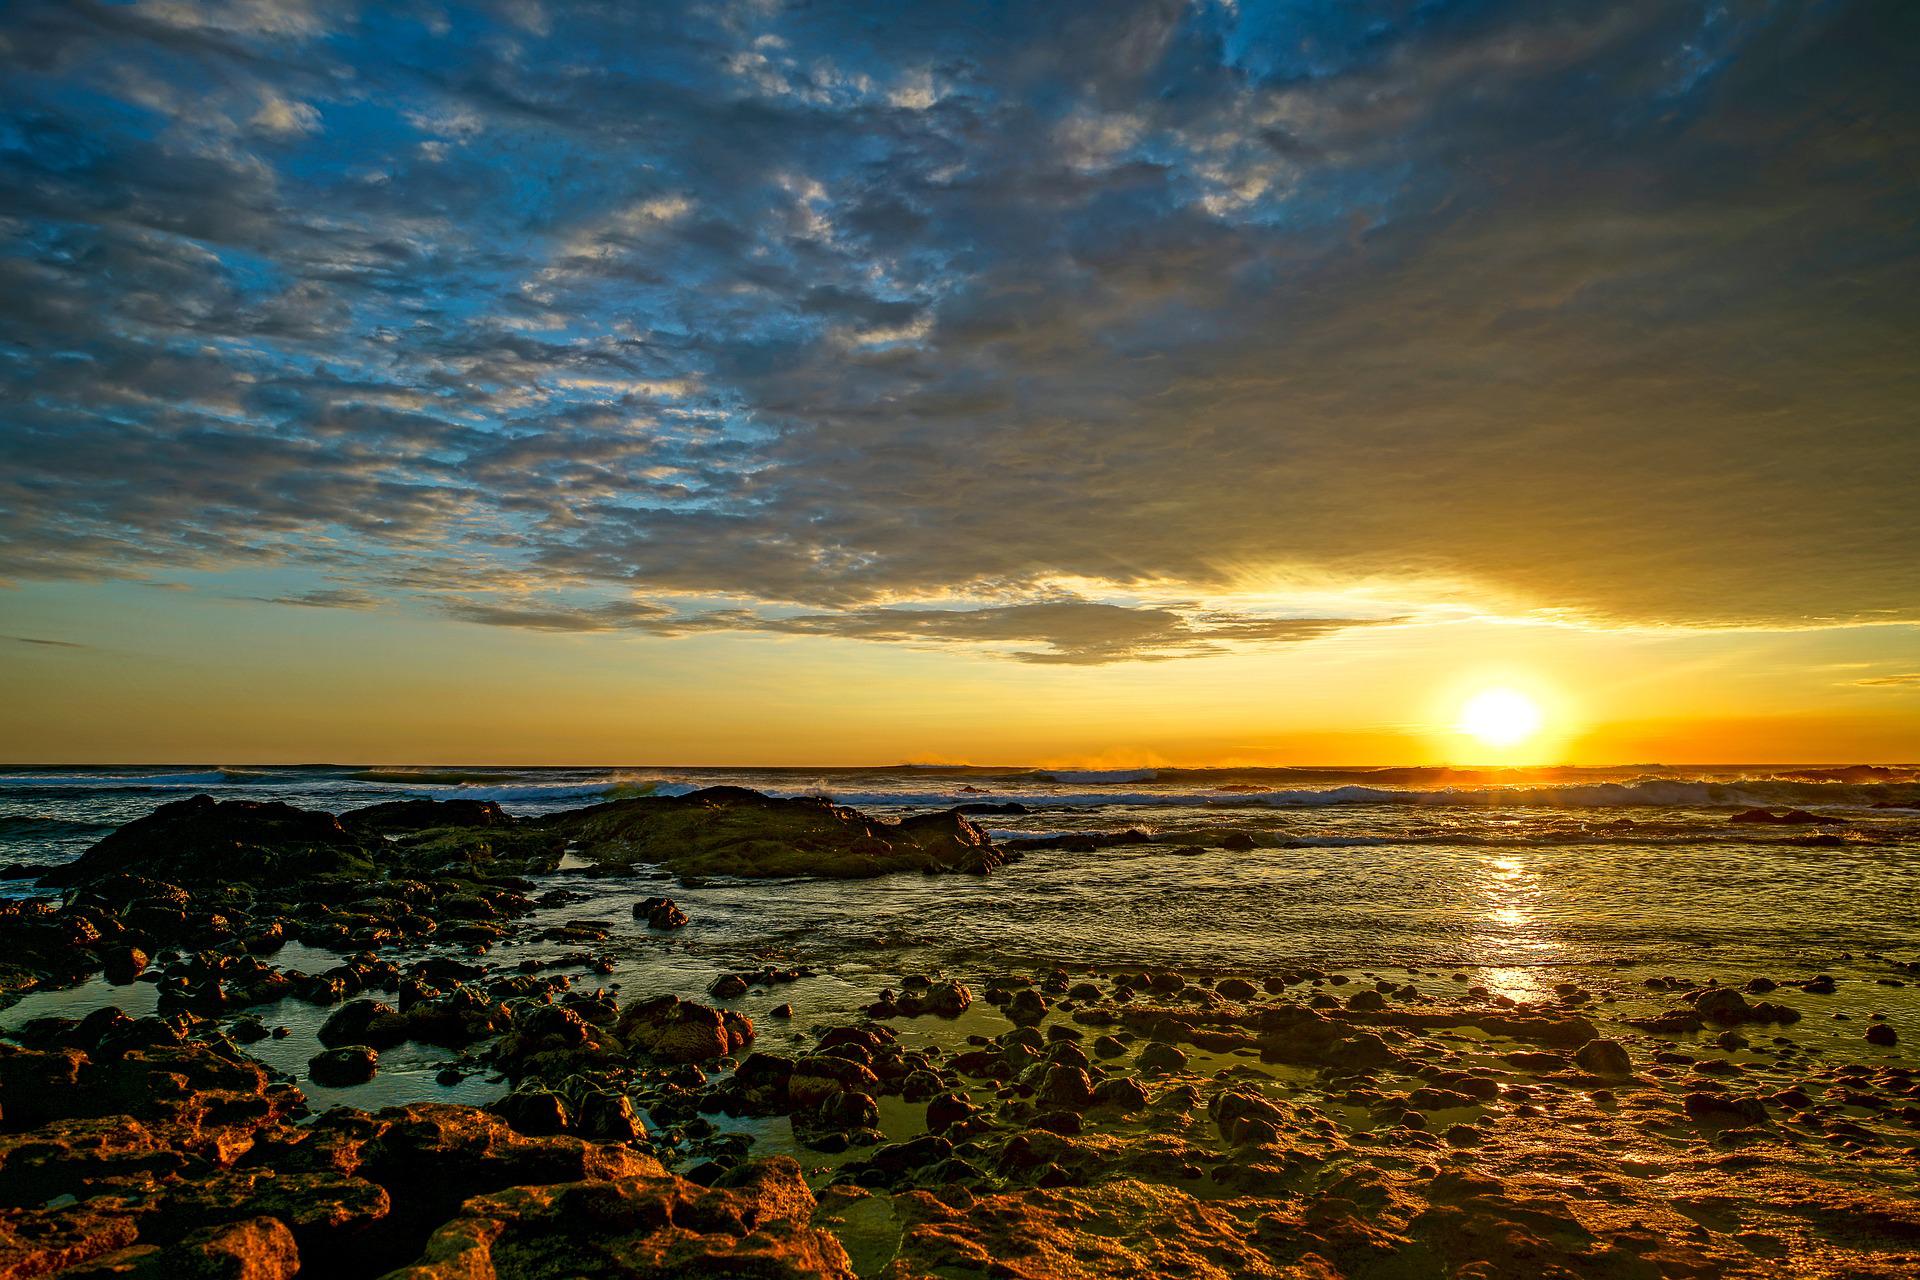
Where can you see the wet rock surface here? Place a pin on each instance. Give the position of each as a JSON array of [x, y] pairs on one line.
[[1302, 1122]]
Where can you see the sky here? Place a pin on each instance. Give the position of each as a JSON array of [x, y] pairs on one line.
[[1130, 382]]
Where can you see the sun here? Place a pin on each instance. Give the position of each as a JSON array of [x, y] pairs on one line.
[[1500, 717]]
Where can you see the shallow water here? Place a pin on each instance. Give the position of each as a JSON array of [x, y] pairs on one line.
[[1470, 876]]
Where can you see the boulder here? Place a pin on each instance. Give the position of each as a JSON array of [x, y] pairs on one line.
[[675, 1030], [124, 964], [206, 841], [1605, 1058], [734, 831], [348, 1065]]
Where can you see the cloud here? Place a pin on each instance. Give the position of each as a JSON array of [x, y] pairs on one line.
[[1604, 313], [281, 116], [614, 616], [1075, 632], [1906, 679], [51, 644], [327, 598]]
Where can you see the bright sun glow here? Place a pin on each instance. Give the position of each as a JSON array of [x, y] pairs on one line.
[[1500, 717]]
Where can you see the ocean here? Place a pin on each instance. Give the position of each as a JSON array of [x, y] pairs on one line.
[[1515, 869]]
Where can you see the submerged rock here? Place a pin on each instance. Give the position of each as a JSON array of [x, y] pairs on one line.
[[1790, 818]]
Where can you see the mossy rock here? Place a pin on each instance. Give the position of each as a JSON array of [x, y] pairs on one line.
[[731, 831], [202, 840]]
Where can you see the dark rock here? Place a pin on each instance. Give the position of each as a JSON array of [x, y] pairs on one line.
[[660, 913], [609, 1115], [1026, 1008], [1791, 818], [1724, 1108], [203, 840], [1163, 1058], [675, 1030], [397, 816], [124, 964], [348, 1065]]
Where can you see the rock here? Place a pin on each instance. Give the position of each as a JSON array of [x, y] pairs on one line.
[[259, 1248], [124, 964], [728, 986], [1237, 989], [248, 1030], [363, 1022], [348, 1065], [1882, 1033], [1607, 1058], [733, 831], [1026, 1008], [534, 1111], [1082, 841], [1791, 818], [660, 913], [1237, 842], [1159, 1057], [203, 840], [948, 1110], [1723, 1108], [946, 999], [1121, 1093], [1722, 1005], [821, 1075], [609, 1116], [675, 1030], [406, 816], [1066, 1087], [754, 1221]]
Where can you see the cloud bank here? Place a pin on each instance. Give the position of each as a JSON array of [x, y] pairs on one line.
[[858, 321]]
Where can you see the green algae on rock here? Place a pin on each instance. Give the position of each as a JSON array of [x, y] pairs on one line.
[[732, 831]]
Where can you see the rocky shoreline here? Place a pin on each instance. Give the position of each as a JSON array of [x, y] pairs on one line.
[[1119, 1122]]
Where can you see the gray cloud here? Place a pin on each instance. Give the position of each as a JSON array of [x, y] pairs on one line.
[[327, 598], [1078, 632], [614, 616], [50, 644]]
